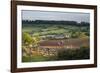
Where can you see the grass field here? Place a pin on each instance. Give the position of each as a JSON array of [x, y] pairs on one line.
[[42, 29]]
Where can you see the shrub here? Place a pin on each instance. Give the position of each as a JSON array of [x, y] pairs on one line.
[[76, 54]]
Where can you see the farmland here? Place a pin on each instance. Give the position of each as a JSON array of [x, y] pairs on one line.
[[54, 40]]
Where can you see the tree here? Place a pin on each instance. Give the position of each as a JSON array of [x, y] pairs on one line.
[[83, 35], [36, 41], [27, 39]]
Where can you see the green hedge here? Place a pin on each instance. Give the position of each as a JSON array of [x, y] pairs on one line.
[[76, 54]]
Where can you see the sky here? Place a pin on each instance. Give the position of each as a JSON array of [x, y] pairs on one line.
[[58, 16]]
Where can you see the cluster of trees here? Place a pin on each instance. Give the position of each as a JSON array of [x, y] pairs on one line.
[[76, 54], [75, 34], [28, 39], [30, 43], [32, 22]]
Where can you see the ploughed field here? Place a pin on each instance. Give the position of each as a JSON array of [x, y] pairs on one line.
[[73, 43]]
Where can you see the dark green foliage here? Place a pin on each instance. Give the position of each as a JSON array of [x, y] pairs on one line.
[[76, 54], [73, 23]]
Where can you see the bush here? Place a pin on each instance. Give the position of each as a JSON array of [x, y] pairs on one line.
[[76, 54]]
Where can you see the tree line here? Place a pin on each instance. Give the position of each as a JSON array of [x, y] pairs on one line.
[[74, 23]]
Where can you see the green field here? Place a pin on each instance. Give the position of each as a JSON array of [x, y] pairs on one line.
[[46, 29]]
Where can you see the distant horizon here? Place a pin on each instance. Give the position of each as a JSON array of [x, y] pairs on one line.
[[53, 20], [33, 15]]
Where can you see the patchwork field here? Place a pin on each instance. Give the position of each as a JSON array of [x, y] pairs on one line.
[[51, 42]]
